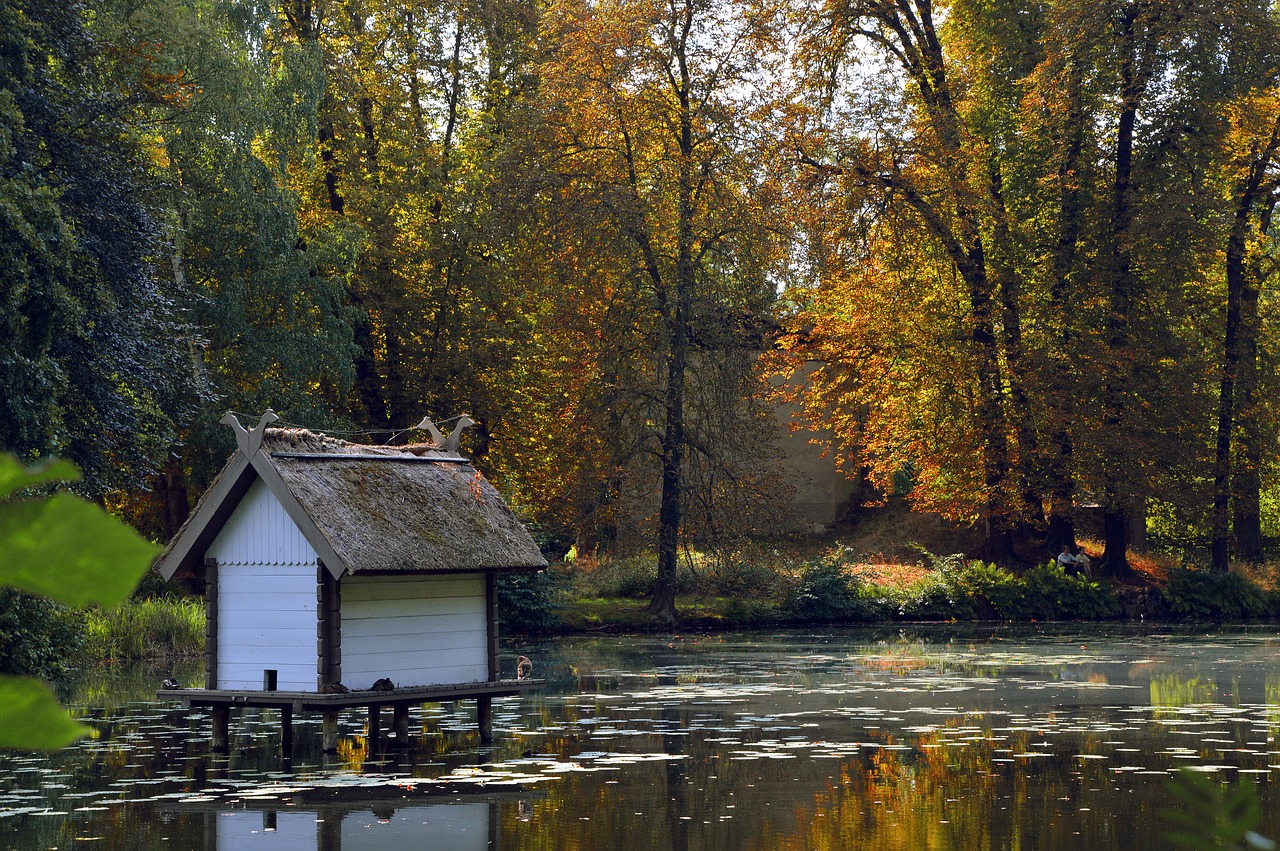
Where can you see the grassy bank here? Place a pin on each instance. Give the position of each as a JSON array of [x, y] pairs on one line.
[[153, 628], [810, 582], [781, 583]]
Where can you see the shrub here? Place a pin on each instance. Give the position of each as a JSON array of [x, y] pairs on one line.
[[933, 598], [528, 602], [631, 576], [1053, 595], [740, 577], [1217, 596], [144, 629], [825, 592], [750, 612], [38, 637], [993, 591]]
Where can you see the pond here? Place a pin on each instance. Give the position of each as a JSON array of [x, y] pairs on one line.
[[931, 737]]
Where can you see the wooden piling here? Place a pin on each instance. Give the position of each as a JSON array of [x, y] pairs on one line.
[[400, 722], [484, 716], [221, 727], [375, 727], [286, 730], [329, 731]]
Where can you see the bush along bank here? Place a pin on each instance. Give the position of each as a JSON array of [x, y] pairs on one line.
[[825, 589], [954, 590]]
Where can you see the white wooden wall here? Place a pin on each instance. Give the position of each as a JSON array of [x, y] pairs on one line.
[[458, 827], [417, 630], [266, 597], [296, 830]]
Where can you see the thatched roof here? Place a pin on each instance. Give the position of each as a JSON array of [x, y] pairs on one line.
[[402, 509]]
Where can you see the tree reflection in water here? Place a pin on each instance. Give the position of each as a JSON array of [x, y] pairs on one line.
[[943, 738]]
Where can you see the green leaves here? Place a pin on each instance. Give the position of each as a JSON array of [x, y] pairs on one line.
[[63, 547], [30, 717], [14, 477], [71, 551], [1211, 816]]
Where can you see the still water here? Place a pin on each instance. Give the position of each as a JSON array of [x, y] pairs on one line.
[[947, 738]]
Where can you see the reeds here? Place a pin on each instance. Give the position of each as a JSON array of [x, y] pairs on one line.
[[154, 628]]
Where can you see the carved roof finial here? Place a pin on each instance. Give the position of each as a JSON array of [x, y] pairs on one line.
[[452, 442], [249, 441]]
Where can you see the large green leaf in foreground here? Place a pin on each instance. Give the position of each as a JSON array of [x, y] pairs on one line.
[[31, 719], [71, 551], [15, 477], [63, 547]]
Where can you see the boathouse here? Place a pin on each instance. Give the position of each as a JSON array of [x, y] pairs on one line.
[[339, 574]]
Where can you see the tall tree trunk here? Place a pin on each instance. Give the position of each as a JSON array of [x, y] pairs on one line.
[[1246, 478], [1009, 280], [1239, 367], [663, 604], [925, 62], [175, 504], [1062, 384], [367, 405], [1115, 558]]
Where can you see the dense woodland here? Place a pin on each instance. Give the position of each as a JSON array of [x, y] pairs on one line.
[[1018, 256]]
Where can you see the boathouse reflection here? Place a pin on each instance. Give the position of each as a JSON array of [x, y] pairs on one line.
[[331, 827]]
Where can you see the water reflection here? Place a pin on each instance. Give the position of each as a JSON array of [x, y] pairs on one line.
[[940, 738], [463, 826]]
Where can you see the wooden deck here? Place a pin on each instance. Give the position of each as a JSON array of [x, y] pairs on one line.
[[288, 702], [302, 701]]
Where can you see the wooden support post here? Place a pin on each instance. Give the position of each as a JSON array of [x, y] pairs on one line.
[[286, 730], [484, 705], [221, 727], [330, 830], [491, 625], [329, 731], [375, 727], [484, 715], [211, 623], [328, 628], [400, 721], [209, 835]]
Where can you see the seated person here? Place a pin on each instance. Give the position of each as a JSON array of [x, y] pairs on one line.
[[1074, 561]]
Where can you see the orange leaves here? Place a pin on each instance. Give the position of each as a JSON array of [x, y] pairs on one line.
[[885, 365], [154, 78]]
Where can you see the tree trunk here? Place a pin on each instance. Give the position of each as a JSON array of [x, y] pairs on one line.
[[663, 604], [998, 519], [1115, 559], [1246, 480], [1031, 512], [1115, 535], [174, 502], [1063, 381], [1233, 345]]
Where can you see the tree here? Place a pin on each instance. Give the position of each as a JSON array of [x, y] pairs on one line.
[[88, 369], [651, 130], [409, 130], [1058, 159], [1257, 120], [913, 152]]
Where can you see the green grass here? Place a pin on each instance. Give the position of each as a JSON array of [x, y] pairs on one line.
[[628, 614], [158, 627]]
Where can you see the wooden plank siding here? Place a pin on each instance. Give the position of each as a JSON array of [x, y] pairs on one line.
[[266, 597], [260, 532], [261, 629], [416, 630]]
